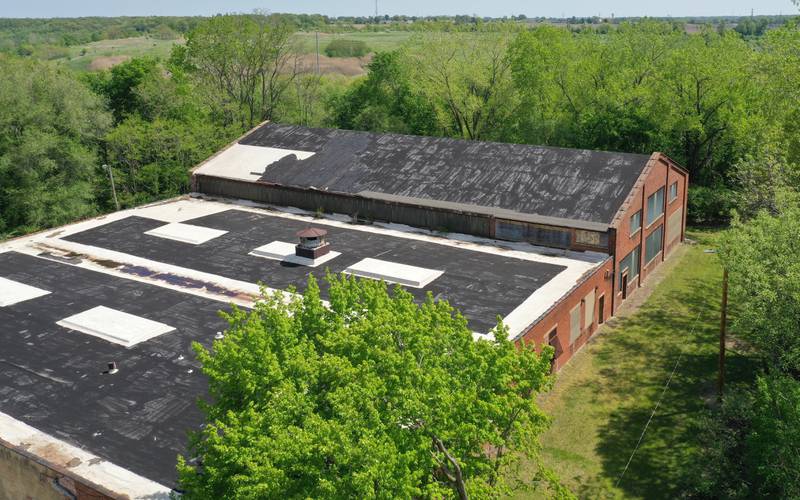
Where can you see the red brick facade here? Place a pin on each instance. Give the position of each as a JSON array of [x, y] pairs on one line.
[[556, 326], [660, 173]]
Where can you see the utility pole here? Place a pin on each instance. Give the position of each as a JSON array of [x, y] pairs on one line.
[[113, 188], [376, 11], [723, 323], [316, 34]]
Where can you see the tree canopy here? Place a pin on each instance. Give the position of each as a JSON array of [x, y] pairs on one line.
[[371, 396], [50, 127]]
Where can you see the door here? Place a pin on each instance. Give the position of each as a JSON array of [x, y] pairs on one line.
[[552, 340], [624, 285], [601, 309]]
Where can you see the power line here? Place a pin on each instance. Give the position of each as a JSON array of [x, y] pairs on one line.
[[655, 409]]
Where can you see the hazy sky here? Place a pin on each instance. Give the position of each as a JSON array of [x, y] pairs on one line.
[[75, 8]]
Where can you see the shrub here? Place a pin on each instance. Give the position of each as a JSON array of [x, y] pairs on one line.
[[346, 48]]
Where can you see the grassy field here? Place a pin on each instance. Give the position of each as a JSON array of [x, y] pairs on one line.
[[102, 54], [605, 395], [106, 53], [376, 41]]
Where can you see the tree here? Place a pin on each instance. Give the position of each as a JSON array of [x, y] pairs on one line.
[[387, 100], [374, 396], [752, 443], [246, 62], [763, 260], [466, 76], [50, 129], [118, 85]]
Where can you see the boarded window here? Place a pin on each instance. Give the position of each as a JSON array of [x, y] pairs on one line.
[[652, 246], [631, 264], [655, 206], [591, 238], [674, 225], [538, 235], [574, 324], [588, 316]]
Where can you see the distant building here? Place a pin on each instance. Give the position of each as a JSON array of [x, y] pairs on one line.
[[98, 381]]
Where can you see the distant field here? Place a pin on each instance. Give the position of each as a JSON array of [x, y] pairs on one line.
[[106, 53], [376, 41]]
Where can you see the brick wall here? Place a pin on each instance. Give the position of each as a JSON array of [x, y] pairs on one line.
[[661, 172], [558, 318]]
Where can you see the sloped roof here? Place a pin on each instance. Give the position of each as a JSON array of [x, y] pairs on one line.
[[551, 183]]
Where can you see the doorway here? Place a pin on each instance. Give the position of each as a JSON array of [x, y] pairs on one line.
[[601, 309], [625, 285]]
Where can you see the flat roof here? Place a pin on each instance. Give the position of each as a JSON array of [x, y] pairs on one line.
[[53, 391], [515, 181]]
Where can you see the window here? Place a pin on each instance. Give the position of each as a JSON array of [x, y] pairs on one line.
[[636, 222], [674, 225], [588, 312], [574, 324], [652, 245], [631, 264], [655, 206], [673, 191], [538, 235]]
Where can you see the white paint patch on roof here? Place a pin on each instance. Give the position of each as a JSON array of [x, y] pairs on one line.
[[13, 292], [245, 162], [393, 272], [115, 326], [285, 252], [186, 233], [89, 466]]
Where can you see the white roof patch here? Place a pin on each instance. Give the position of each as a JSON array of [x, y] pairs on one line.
[[245, 162], [13, 292], [285, 252], [186, 233], [392, 272], [115, 326]]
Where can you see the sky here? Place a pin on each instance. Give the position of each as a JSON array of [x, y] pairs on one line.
[[494, 8]]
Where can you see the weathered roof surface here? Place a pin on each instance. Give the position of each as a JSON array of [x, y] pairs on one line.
[[573, 184]]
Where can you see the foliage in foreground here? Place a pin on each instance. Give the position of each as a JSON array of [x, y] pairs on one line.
[[753, 441], [374, 396]]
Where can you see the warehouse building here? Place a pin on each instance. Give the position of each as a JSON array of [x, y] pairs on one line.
[[98, 381], [630, 207]]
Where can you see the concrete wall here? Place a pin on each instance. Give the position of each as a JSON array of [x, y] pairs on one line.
[[24, 476]]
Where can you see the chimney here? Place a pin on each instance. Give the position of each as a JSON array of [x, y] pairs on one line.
[[312, 243]]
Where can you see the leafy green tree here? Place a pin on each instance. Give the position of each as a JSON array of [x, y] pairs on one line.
[[752, 443], [50, 129], [152, 159], [385, 101], [763, 260], [374, 396], [467, 78], [245, 63], [119, 85]]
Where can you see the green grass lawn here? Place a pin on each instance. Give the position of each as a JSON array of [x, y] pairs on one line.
[[605, 395]]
